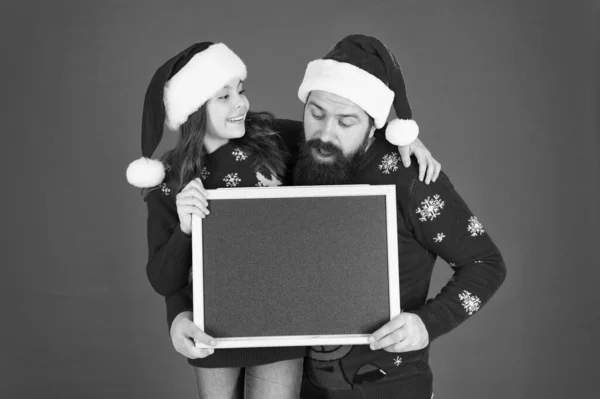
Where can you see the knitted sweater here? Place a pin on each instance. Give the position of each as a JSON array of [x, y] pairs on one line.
[[433, 220], [170, 250]]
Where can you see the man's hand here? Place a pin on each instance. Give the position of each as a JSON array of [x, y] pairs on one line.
[[184, 332], [403, 333], [427, 164]]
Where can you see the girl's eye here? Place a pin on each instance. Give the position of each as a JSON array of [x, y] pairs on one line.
[[225, 97], [243, 92]]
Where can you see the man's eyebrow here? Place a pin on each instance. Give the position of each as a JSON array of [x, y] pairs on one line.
[[355, 116], [311, 102], [351, 115]]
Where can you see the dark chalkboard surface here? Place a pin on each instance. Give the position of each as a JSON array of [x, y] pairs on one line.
[[296, 265]]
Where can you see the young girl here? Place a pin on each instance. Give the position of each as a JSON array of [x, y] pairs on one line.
[[221, 144]]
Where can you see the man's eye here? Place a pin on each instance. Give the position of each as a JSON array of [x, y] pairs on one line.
[[342, 124], [318, 117]]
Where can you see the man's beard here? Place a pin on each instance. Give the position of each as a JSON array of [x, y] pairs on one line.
[[341, 170]]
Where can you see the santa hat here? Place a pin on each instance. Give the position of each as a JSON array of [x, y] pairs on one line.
[[363, 70], [177, 90]]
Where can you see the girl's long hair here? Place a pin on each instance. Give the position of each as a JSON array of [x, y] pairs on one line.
[[259, 142]]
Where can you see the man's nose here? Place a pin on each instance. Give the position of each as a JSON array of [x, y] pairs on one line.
[[328, 130]]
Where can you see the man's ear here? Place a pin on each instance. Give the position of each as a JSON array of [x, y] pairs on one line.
[[372, 132]]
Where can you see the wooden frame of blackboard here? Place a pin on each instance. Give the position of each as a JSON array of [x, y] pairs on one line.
[[388, 191]]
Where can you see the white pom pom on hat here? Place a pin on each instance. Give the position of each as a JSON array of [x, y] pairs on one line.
[[145, 172], [401, 132]]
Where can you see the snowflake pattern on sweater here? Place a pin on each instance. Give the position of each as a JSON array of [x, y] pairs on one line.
[[389, 163], [470, 302], [204, 173], [439, 237], [475, 227], [230, 166], [232, 180], [263, 181], [239, 155], [430, 208], [165, 189]]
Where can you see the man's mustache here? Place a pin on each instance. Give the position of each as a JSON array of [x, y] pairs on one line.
[[318, 144]]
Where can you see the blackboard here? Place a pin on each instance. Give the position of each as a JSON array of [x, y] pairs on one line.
[[296, 266]]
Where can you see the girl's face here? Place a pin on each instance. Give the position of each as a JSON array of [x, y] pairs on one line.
[[226, 113]]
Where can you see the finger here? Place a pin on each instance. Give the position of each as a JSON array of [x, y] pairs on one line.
[[200, 336], [438, 169], [194, 189], [402, 346], [388, 328], [192, 183], [192, 201], [187, 185], [405, 155], [186, 210], [390, 339], [191, 330], [430, 172], [193, 192], [183, 210], [422, 165], [199, 181], [197, 184], [190, 350], [202, 353]]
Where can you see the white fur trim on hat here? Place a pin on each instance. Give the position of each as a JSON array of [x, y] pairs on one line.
[[145, 172], [350, 82], [401, 131], [205, 74]]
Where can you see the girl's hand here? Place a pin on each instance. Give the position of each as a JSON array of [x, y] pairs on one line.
[[427, 164], [191, 200], [183, 334]]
